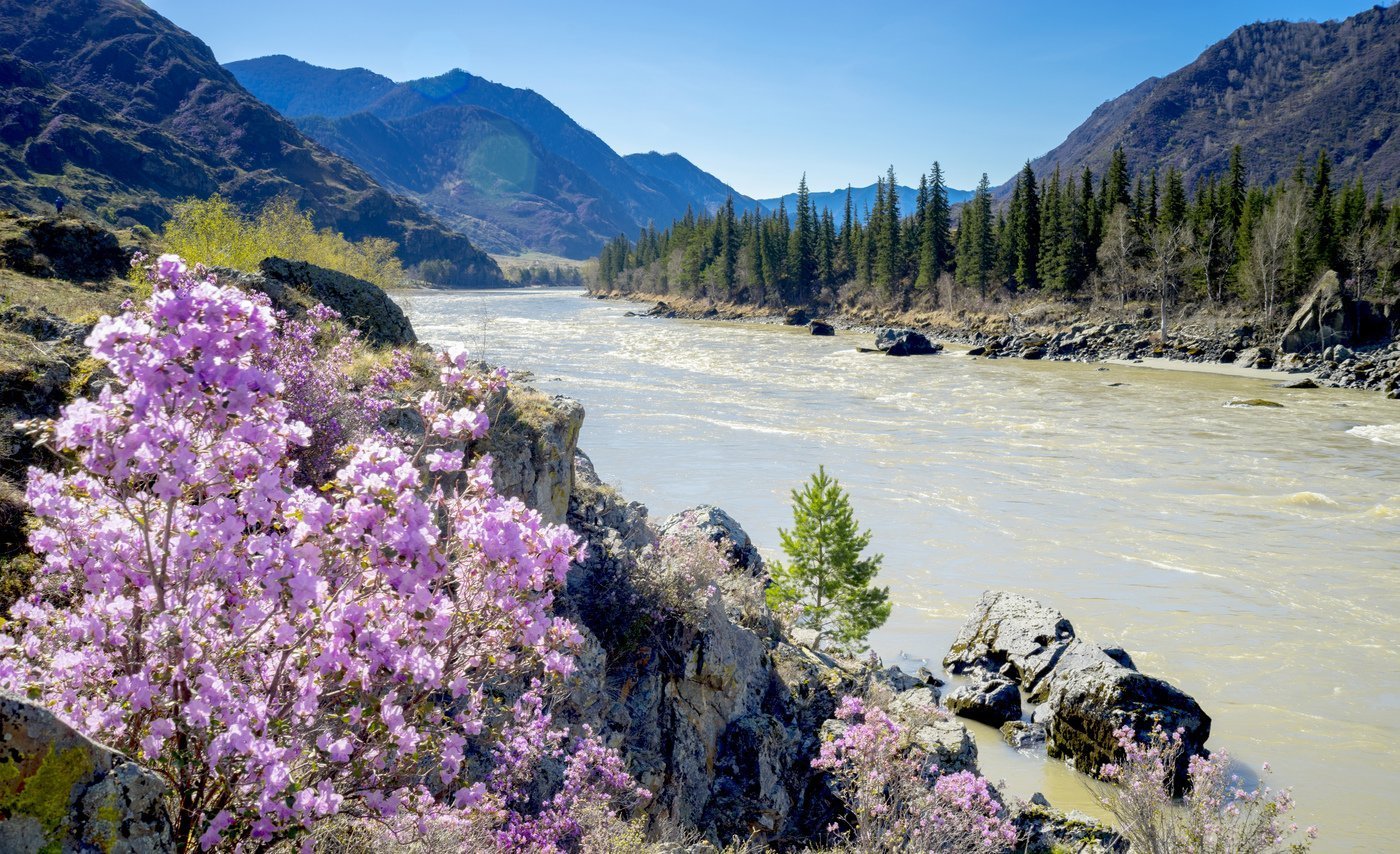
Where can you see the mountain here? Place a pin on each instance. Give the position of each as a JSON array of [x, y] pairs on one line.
[[125, 113], [484, 174], [708, 191], [520, 156], [1279, 90], [862, 200]]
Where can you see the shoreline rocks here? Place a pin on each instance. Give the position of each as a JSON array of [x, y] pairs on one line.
[[1374, 366]]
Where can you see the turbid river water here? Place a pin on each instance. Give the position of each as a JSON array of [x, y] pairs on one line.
[[1249, 555]]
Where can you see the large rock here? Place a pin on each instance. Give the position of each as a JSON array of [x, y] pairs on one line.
[[533, 442], [1088, 694], [1013, 635], [61, 791], [362, 304], [719, 528], [62, 248], [1331, 316], [905, 342], [821, 327], [993, 703]]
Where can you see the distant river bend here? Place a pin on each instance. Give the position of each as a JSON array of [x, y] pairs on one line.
[[1249, 555]]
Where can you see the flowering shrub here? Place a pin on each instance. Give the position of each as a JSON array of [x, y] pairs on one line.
[[898, 800], [681, 573], [284, 654], [1216, 816]]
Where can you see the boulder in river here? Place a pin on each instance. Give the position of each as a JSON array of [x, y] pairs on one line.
[[905, 342], [1023, 735], [1088, 694], [993, 702], [821, 327], [796, 317]]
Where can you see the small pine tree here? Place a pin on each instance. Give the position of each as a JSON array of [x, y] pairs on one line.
[[826, 574]]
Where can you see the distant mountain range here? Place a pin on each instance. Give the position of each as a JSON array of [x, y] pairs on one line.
[[125, 113], [862, 201], [1279, 90], [504, 165]]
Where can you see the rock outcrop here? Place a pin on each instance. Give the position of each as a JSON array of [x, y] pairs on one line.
[[61, 248], [1087, 693], [533, 442], [60, 791], [1330, 316], [295, 286]]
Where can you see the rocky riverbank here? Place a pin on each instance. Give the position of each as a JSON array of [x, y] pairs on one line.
[[1315, 347]]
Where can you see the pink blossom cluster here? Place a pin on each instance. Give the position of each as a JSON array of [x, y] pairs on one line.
[[1217, 815], [898, 799], [283, 653]]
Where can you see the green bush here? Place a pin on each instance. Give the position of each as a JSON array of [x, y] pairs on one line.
[[212, 232]]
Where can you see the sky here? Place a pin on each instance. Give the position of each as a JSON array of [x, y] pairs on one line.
[[761, 92]]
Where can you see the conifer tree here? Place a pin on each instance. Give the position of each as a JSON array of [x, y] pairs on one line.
[[847, 263], [1026, 223], [802, 245], [826, 574], [938, 228], [1116, 181]]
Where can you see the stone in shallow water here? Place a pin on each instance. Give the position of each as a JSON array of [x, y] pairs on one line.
[[992, 703]]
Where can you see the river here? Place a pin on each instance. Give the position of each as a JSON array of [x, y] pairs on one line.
[[1249, 555]]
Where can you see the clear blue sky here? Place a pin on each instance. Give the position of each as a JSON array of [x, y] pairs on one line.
[[760, 91]]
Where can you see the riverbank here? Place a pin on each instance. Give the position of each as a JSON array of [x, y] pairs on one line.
[[1058, 332]]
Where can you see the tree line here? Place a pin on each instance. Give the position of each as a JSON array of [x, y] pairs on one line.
[[1113, 236]]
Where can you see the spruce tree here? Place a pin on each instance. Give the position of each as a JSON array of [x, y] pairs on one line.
[[1117, 180], [847, 256], [826, 574], [939, 229], [1026, 223]]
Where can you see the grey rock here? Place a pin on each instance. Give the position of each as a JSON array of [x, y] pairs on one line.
[[992, 703], [1033, 353], [1301, 382], [720, 528], [1024, 736], [1088, 694], [1120, 655], [363, 305], [1255, 357], [905, 342], [915, 703], [949, 745], [1330, 316], [1006, 628], [533, 442], [1042, 829], [109, 803]]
